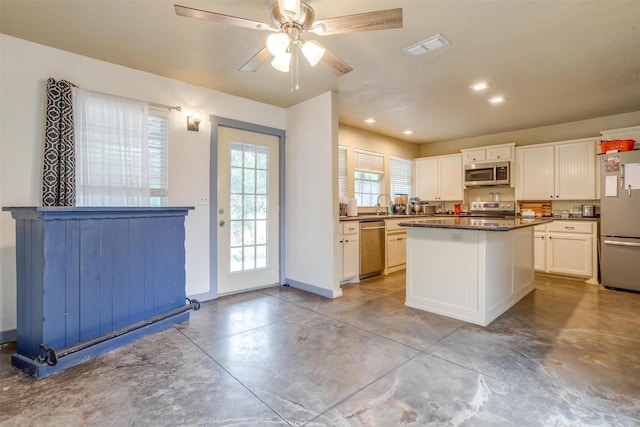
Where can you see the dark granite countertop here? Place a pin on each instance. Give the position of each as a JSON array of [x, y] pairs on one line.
[[374, 217], [483, 224]]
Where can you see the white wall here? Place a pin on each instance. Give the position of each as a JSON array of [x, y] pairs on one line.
[[24, 69], [312, 202]]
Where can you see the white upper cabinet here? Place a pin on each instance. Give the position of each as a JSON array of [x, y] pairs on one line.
[[474, 156], [501, 152], [534, 171], [559, 170], [575, 170], [439, 178], [491, 153]]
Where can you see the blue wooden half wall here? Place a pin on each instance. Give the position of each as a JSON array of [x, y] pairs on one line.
[[83, 272]]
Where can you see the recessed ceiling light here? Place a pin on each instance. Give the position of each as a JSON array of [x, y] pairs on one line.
[[370, 121], [496, 99], [428, 45], [407, 132], [479, 86]]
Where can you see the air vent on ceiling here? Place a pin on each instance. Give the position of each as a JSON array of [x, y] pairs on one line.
[[426, 46]]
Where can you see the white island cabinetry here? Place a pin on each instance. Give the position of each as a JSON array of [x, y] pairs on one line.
[[471, 270]]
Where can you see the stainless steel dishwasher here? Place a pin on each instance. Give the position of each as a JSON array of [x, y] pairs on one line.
[[371, 248]]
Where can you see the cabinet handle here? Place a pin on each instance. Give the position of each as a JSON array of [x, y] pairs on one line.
[[615, 243], [569, 228]]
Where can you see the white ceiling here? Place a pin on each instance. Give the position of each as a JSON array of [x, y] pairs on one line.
[[554, 61]]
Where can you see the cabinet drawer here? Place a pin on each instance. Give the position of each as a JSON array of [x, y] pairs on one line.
[[392, 224], [540, 228], [571, 227], [350, 227]]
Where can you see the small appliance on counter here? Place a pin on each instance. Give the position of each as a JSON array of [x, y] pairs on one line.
[[588, 211], [400, 203], [414, 204], [427, 208]]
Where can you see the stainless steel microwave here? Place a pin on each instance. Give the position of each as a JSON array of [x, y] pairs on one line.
[[486, 174]]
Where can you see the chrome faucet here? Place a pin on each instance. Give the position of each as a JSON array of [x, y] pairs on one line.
[[378, 202]]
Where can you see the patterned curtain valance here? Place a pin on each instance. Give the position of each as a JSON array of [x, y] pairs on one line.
[[58, 178]]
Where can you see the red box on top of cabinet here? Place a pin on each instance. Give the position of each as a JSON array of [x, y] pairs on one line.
[[617, 144]]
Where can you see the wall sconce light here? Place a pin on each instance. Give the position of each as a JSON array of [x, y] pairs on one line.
[[193, 121]]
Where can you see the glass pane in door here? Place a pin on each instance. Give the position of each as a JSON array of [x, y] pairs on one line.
[[249, 199]]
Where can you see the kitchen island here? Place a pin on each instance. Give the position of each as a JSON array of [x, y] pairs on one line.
[[471, 269]]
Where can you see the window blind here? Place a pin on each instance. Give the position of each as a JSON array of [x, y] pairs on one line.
[[366, 161], [158, 137], [401, 175], [342, 171]]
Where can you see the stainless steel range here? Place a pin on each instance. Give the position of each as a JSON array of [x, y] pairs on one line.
[[492, 209]]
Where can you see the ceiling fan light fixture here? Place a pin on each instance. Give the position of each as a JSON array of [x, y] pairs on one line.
[[277, 43], [313, 52], [290, 9], [282, 62]]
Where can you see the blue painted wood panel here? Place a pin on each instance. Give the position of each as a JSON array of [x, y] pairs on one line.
[[84, 272]]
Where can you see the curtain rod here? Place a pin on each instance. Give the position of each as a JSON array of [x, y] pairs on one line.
[[157, 106]]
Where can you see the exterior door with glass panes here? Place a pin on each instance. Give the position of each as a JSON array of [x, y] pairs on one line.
[[248, 210]]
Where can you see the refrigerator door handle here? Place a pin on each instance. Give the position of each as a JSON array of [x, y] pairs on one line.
[[614, 243]]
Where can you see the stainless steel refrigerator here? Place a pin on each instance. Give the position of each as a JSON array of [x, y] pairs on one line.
[[620, 220]]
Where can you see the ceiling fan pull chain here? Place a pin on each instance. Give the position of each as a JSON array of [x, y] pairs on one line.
[[291, 74], [297, 65]]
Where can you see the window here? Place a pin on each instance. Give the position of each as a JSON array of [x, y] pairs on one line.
[[369, 171], [342, 171], [158, 141], [121, 151], [401, 176]]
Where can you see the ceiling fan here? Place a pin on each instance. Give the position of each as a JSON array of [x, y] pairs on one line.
[[291, 19]]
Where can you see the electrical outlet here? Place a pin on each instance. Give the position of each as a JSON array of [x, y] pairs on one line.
[[203, 201]]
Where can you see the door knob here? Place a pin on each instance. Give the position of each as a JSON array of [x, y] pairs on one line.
[[221, 223]]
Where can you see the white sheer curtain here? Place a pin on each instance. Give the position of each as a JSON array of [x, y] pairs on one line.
[[112, 150]]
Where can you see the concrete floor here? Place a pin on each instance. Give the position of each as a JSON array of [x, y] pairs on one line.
[[566, 355]]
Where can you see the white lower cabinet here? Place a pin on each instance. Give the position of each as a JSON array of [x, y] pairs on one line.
[[396, 246], [396, 250], [539, 248], [350, 251], [567, 247]]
